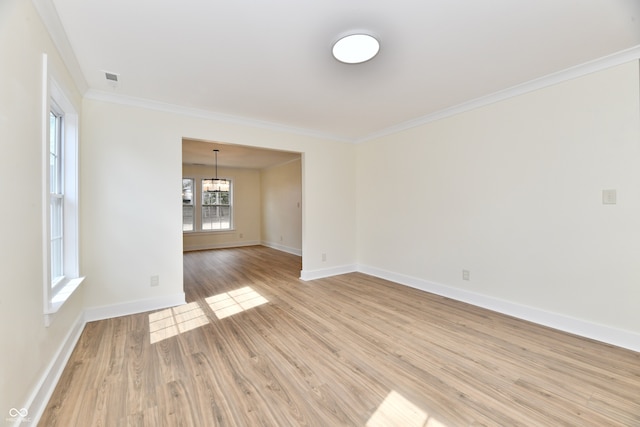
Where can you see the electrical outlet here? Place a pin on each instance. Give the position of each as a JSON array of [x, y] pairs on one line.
[[324, 257], [241, 235], [155, 281], [466, 275]]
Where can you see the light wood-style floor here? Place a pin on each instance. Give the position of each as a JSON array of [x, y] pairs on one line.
[[255, 346]]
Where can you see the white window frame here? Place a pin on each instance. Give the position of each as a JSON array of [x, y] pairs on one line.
[[58, 290], [56, 196], [203, 206], [197, 207]]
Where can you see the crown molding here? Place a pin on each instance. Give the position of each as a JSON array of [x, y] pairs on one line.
[[206, 114], [51, 21], [599, 64]]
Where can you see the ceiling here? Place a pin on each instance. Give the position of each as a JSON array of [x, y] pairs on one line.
[[269, 63], [232, 155]]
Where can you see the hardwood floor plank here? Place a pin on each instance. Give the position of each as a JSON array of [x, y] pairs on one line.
[[621, 409], [350, 350]]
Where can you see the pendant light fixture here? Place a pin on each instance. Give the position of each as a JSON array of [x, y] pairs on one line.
[[215, 184]]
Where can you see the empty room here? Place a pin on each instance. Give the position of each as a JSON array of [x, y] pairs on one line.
[[320, 213]]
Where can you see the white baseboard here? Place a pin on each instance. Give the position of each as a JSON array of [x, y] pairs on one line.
[[220, 246], [133, 307], [326, 272], [37, 401], [607, 334], [282, 248]]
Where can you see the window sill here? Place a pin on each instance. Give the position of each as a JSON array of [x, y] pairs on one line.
[[66, 289]]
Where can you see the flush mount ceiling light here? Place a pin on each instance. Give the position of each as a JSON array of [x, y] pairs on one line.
[[356, 48]]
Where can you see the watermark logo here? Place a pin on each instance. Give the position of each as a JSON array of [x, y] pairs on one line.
[[16, 414]]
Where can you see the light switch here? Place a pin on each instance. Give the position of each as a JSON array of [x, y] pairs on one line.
[[609, 197]]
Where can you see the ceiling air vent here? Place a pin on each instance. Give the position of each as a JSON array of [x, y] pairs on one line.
[[111, 76]]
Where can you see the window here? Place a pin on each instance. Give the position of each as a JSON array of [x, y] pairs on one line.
[[216, 205], [188, 222], [56, 196], [210, 209], [60, 198]]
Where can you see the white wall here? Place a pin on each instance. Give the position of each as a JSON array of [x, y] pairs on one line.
[[28, 347], [246, 209], [281, 189], [132, 221], [132, 185], [512, 192]]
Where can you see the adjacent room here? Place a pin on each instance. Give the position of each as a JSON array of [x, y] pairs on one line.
[[258, 200], [291, 213]]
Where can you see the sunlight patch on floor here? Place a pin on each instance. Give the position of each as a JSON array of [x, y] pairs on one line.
[[397, 411], [176, 320], [236, 301]]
